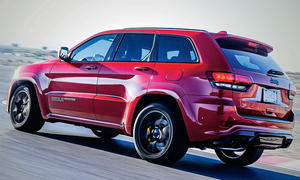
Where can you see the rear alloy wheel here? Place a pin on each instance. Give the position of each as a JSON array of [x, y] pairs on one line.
[[105, 133], [239, 158], [24, 110], [159, 135]]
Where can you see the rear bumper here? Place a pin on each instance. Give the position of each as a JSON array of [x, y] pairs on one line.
[[254, 139], [252, 129], [213, 118]]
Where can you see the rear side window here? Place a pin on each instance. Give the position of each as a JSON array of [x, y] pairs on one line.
[[249, 61], [175, 49], [135, 47]]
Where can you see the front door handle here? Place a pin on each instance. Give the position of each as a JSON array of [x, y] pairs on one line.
[[90, 67], [142, 68]]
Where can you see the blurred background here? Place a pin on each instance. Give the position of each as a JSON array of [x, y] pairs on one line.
[[48, 24]]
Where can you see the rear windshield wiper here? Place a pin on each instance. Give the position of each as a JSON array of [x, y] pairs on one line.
[[275, 72]]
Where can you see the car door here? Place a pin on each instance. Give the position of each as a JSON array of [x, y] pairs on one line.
[[125, 77], [73, 84]]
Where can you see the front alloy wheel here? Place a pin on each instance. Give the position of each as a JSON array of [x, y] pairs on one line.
[[24, 110], [20, 106]]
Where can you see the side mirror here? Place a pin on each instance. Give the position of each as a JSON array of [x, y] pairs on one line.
[[63, 54]]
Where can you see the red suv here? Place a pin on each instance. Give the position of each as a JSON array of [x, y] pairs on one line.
[[169, 88]]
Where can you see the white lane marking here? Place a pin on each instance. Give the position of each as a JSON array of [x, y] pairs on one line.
[[211, 151], [293, 165], [296, 109], [4, 102]]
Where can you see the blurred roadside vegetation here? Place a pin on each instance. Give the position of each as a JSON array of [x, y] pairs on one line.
[[15, 56]]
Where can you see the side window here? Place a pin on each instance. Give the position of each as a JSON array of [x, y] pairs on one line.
[[175, 49], [135, 47], [94, 49]]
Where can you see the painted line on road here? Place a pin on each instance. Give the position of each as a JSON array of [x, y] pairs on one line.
[[296, 109], [268, 159], [293, 165], [211, 151], [273, 160], [4, 102]]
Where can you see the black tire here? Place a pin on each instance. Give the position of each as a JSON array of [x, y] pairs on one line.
[[105, 133], [159, 134], [24, 110], [249, 156]]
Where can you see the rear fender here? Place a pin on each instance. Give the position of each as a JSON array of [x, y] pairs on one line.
[[188, 115]]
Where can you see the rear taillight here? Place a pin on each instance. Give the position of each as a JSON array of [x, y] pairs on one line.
[[229, 81]]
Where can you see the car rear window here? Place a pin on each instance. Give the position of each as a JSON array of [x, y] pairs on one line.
[[175, 49], [250, 61]]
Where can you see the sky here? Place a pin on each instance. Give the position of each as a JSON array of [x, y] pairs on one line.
[[55, 23]]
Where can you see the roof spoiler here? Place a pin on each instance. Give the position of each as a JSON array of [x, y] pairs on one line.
[[222, 35]]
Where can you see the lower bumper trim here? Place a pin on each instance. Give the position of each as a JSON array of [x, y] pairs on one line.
[[254, 139]]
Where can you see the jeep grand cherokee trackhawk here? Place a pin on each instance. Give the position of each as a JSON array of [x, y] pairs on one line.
[[169, 88]]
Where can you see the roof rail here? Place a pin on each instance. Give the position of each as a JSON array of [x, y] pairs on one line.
[[185, 29]]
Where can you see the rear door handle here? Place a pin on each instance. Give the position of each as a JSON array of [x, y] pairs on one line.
[[142, 68], [90, 67]]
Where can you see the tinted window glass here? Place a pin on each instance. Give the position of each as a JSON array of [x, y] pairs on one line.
[[250, 61], [135, 47], [175, 49], [95, 49]]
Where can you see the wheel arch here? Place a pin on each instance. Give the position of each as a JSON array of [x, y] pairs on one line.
[[153, 97], [37, 92]]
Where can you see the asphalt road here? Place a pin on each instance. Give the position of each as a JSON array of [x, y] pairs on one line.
[[61, 151]]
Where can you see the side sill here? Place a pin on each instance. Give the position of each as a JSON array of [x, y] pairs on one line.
[[85, 121]]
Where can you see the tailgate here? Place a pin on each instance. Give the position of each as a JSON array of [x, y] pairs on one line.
[[267, 97]]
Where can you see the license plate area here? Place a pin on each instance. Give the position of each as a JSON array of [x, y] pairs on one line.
[[270, 96], [271, 140]]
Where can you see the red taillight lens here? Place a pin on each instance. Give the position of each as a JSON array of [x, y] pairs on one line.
[[240, 79], [223, 77], [230, 81]]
